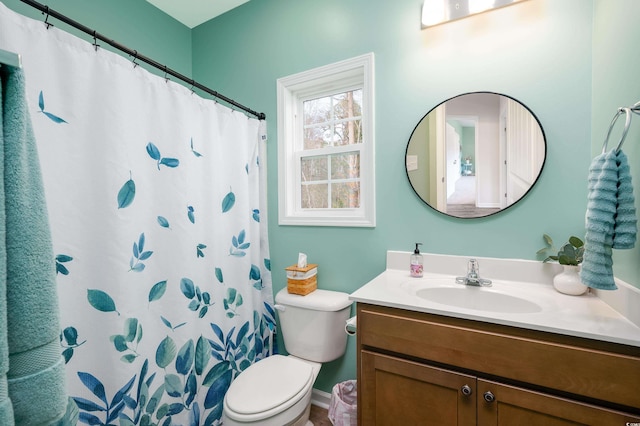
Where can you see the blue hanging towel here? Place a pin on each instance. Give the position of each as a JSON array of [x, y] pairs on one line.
[[626, 224], [35, 378], [610, 220], [597, 264]]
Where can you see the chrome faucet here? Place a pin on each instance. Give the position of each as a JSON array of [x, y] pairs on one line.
[[473, 276]]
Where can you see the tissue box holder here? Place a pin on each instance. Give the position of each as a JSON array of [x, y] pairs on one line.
[[302, 281]]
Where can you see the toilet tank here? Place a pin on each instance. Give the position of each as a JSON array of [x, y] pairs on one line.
[[313, 325]]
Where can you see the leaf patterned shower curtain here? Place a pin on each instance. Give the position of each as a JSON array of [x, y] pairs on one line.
[[157, 208]]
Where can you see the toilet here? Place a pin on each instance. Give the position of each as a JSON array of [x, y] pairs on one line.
[[276, 391]]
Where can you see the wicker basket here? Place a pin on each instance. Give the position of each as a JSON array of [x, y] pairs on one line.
[[302, 281]]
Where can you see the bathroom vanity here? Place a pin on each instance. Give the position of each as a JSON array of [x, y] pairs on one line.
[[571, 360]]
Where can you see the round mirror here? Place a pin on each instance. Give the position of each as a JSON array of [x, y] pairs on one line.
[[475, 154]]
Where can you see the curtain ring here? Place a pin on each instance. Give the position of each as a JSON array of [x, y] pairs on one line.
[[135, 56], [46, 19], [95, 41], [166, 76], [627, 124]]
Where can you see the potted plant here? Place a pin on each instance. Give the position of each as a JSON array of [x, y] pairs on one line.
[[570, 257]]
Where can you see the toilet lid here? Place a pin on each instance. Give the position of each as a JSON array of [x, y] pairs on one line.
[[267, 384]]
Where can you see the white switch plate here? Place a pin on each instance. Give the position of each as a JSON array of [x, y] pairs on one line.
[[412, 162]]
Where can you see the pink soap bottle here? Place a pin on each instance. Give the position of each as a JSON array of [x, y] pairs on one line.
[[416, 262]]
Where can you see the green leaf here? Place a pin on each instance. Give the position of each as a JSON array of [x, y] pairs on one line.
[[228, 202], [254, 272], [231, 295], [119, 342], [194, 305], [173, 385], [203, 354], [576, 242], [155, 398], [216, 371], [70, 335], [163, 222], [67, 354], [101, 301], [185, 358], [547, 239], [53, 117], [130, 329], [203, 312], [166, 352], [162, 411], [187, 288], [170, 162], [139, 333], [157, 291], [219, 275], [128, 358], [126, 194], [153, 151]]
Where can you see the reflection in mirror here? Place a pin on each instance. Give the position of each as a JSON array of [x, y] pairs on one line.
[[475, 154]]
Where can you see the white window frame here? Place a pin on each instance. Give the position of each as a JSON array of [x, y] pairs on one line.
[[339, 77]]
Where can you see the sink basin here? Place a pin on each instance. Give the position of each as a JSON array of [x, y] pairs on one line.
[[478, 298]]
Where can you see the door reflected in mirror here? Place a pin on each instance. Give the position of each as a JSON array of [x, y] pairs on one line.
[[475, 154]]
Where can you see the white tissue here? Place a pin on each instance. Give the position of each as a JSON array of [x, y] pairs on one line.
[[302, 260]]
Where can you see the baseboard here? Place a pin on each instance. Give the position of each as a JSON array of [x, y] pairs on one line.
[[320, 398]]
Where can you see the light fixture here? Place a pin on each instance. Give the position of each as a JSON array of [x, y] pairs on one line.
[[436, 12]]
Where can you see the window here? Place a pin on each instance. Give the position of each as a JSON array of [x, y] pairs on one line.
[[326, 145]]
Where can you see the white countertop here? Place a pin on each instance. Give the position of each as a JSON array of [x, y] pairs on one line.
[[582, 316]]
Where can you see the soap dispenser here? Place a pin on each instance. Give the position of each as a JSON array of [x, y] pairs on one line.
[[416, 262]]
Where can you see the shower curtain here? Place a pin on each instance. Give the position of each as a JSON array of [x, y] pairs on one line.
[[157, 208]]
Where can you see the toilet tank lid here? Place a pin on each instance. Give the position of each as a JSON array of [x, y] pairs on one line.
[[318, 300]]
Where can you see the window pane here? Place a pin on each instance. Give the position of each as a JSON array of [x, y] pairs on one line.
[[313, 169], [348, 132], [345, 166], [345, 195], [333, 120], [317, 111], [314, 137], [347, 105], [314, 196]]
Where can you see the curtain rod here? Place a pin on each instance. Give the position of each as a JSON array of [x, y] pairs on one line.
[[137, 56]]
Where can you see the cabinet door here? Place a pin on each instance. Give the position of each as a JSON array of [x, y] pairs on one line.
[[395, 391], [499, 404]]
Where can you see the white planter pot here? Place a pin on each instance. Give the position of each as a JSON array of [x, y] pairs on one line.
[[568, 281]]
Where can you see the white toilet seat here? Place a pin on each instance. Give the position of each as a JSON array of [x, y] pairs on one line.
[[269, 388]]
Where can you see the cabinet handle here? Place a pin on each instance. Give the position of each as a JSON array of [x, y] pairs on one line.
[[489, 397], [466, 390]]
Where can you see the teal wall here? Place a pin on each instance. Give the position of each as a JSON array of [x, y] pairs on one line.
[[571, 62], [615, 84], [135, 23], [539, 52], [468, 142]]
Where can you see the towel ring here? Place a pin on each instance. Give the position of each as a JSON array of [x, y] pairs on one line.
[[628, 112]]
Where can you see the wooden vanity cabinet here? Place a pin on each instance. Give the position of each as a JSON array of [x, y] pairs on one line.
[[423, 369]]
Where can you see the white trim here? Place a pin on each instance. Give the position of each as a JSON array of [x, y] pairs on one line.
[[339, 76], [320, 398]]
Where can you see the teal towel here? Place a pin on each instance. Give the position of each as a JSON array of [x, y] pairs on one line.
[[610, 220], [36, 381], [626, 223], [597, 265]]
